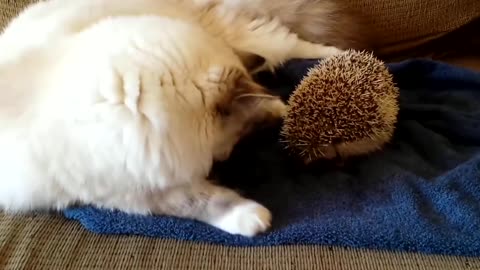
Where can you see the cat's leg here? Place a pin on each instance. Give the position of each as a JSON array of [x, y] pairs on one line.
[[218, 206], [275, 43], [308, 50], [302, 50], [27, 194], [44, 21], [40, 23]]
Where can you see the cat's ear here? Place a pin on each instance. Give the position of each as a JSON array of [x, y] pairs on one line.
[[251, 62], [246, 97]]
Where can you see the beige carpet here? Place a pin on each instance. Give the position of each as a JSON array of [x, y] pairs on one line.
[[51, 242]]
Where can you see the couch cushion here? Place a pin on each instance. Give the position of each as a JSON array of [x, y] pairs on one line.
[[403, 24], [52, 242]]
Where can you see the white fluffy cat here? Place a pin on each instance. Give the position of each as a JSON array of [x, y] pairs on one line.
[[125, 104]]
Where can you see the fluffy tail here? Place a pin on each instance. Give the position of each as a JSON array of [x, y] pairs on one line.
[[319, 21]]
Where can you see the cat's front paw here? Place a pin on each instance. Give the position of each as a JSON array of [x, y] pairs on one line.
[[247, 219], [331, 51]]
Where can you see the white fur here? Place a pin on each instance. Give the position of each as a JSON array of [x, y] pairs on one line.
[[248, 219], [106, 101]]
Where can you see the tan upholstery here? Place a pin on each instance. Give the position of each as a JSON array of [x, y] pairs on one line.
[[404, 24], [51, 242]]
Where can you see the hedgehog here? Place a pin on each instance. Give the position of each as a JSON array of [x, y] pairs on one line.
[[346, 105]]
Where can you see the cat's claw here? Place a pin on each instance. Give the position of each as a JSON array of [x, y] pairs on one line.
[[247, 219]]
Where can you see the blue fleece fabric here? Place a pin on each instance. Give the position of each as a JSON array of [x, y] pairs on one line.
[[421, 193]]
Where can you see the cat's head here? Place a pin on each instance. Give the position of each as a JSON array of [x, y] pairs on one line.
[[221, 107], [243, 107]]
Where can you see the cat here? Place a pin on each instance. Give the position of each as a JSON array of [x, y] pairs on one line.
[[126, 104], [330, 22]]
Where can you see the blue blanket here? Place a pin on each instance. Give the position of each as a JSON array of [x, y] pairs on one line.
[[422, 193]]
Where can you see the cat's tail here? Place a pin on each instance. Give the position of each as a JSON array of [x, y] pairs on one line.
[[320, 21]]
